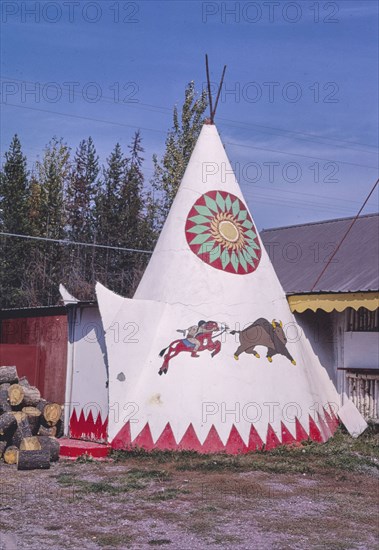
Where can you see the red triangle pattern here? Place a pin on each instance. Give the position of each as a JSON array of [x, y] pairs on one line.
[[255, 442], [334, 417], [272, 440], [190, 441], [314, 432], [123, 439], [144, 439], [88, 428], [213, 443], [235, 444], [324, 427], [287, 437], [166, 440], [330, 421], [301, 434]]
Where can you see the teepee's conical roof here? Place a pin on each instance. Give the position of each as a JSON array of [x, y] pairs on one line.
[[210, 265]]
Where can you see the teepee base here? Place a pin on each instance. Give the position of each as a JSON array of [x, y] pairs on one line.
[[318, 432]]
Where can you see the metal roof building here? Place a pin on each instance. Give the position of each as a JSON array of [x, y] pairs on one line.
[[299, 253]]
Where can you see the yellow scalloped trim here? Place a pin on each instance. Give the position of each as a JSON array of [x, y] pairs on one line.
[[330, 302]]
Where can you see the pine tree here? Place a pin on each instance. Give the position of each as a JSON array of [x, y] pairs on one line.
[[132, 215], [79, 205], [14, 192], [81, 192], [130, 195], [107, 213], [47, 204], [180, 143]]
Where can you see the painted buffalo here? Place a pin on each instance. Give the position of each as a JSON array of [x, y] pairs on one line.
[[263, 333]]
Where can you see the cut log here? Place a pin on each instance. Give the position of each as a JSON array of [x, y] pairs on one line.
[[23, 429], [8, 374], [59, 429], [19, 415], [5, 406], [30, 444], [48, 430], [34, 418], [27, 395], [33, 460], [41, 404], [51, 412], [8, 424], [10, 455], [3, 445], [24, 381], [32, 396], [50, 444], [15, 394]]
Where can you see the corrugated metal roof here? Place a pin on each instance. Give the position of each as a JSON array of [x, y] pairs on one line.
[[300, 252]]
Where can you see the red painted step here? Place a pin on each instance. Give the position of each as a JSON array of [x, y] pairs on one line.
[[74, 448]]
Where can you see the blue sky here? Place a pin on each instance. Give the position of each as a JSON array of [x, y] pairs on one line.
[[298, 112]]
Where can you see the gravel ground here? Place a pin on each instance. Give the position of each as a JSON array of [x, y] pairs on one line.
[[147, 503]]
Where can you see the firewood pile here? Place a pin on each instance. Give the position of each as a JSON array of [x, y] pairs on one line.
[[29, 425]]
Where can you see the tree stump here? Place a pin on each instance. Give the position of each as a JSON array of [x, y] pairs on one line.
[[50, 444], [10, 455], [30, 444], [8, 423], [33, 460], [34, 418], [8, 375]]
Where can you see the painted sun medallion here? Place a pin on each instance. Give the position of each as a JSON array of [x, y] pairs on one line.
[[220, 231]]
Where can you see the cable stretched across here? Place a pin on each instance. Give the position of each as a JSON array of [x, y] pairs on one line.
[[66, 242], [345, 235]]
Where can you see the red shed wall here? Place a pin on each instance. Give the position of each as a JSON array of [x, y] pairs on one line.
[[49, 335]]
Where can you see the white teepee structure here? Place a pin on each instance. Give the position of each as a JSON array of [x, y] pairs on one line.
[[211, 278]]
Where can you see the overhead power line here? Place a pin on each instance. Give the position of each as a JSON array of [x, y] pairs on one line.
[[229, 122], [345, 235], [66, 242], [163, 132]]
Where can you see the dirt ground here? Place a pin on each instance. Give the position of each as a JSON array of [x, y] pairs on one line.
[[313, 497]]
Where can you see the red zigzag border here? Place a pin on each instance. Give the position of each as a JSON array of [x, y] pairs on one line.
[[87, 428]]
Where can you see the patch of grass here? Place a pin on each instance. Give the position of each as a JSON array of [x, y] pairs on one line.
[[53, 527], [341, 452], [159, 475], [67, 479], [157, 456], [84, 459], [159, 542]]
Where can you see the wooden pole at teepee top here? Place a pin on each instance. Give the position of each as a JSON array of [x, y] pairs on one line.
[[211, 109]]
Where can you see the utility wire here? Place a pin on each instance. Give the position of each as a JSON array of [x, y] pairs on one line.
[[163, 132], [345, 235], [66, 242], [229, 122]]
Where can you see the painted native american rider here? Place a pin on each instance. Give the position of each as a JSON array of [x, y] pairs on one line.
[[191, 336]]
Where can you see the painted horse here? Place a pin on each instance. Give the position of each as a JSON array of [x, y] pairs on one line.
[[205, 339]]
